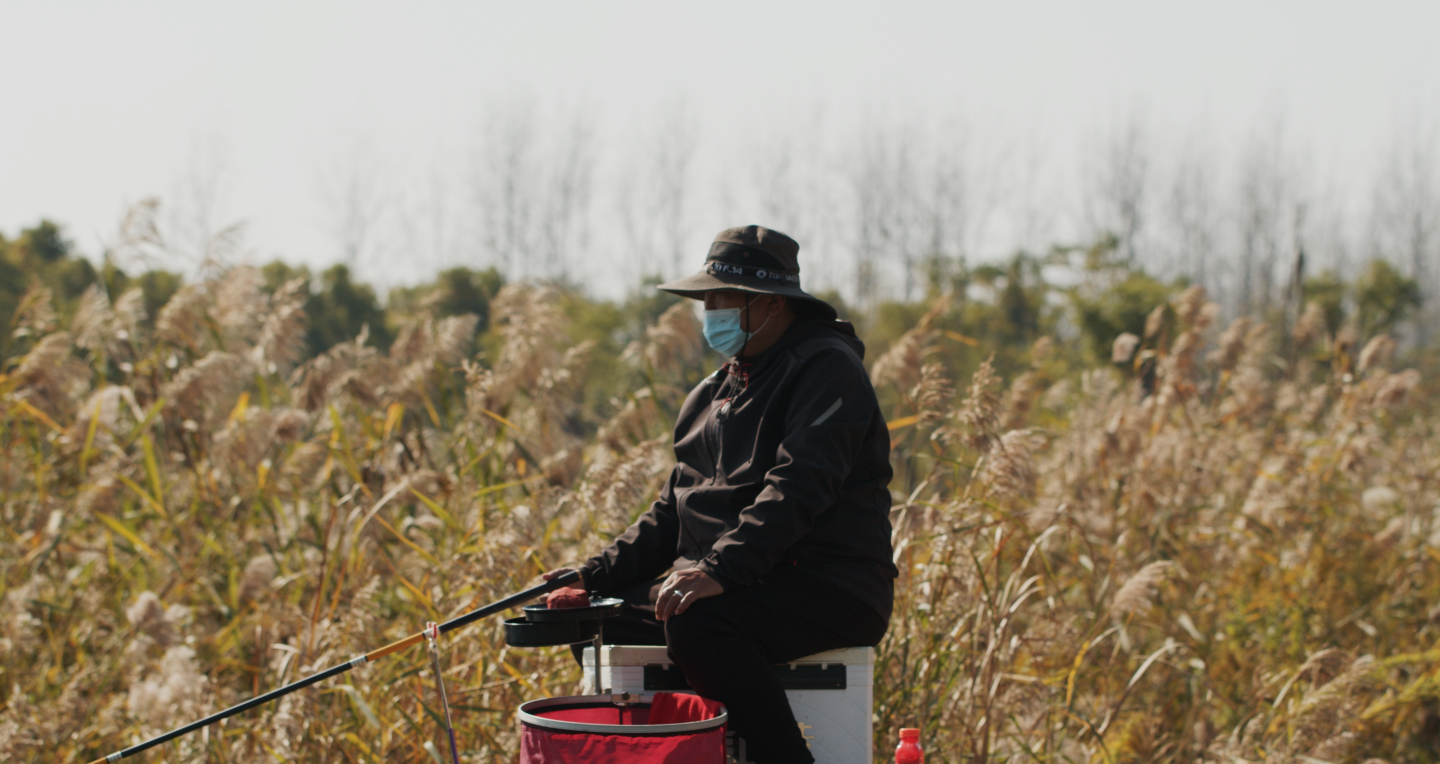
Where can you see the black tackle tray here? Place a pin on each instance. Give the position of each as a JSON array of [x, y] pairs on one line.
[[522, 633], [603, 608], [543, 627]]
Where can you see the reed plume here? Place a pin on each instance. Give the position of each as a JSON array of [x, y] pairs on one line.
[[672, 344], [979, 414], [1140, 589]]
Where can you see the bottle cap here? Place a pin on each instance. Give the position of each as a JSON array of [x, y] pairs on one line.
[[909, 733]]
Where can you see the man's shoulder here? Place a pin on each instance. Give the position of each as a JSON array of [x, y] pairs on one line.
[[821, 344]]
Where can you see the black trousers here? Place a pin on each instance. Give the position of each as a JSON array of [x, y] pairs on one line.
[[726, 645]]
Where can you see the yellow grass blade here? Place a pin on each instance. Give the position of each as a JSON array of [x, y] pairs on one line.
[[1080, 658], [500, 419], [127, 533], [420, 595], [436, 508], [89, 439], [38, 415], [430, 558], [135, 487], [238, 413], [430, 408], [517, 674], [393, 415], [145, 421], [357, 741], [346, 458], [152, 470], [902, 422], [962, 339], [502, 486]]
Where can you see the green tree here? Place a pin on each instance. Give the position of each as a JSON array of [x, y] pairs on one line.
[[40, 255], [1008, 323], [45, 255], [156, 286], [1021, 300], [337, 310], [462, 290], [277, 274], [1384, 297], [42, 244], [13, 283], [1122, 307], [340, 309]]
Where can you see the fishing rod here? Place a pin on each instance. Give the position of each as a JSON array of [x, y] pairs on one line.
[[359, 660]]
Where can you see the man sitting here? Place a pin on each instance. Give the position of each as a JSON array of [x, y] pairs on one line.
[[775, 522]]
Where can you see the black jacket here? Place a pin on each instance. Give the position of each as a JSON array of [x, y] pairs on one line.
[[783, 458]]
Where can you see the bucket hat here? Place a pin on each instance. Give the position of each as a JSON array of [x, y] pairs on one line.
[[751, 259]]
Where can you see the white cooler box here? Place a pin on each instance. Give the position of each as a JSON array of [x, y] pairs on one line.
[[830, 694]]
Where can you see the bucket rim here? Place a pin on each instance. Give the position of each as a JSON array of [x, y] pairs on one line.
[[632, 730]]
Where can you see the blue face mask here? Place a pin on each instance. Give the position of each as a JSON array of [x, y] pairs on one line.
[[723, 332]]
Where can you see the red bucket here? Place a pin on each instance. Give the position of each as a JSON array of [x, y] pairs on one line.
[[672, 729]]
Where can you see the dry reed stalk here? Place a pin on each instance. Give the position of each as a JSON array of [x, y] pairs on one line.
[[182, 319], [632, 423], [932, 393], [1009, 472], [50, 378], [1140, 589], [902, 363], [672, 344], [239, 307], [615, 488], [35, 316], [1375, 353], [207, 389], [281, 339], [1123, 349], [1310, 326], [979, 414]]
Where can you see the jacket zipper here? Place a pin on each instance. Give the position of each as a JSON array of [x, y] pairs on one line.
[[716, 416], [740, 378]]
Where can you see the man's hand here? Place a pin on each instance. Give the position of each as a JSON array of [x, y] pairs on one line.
[[552, 575], [682, 589]]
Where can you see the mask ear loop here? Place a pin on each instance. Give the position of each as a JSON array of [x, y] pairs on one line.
[[749, 334]]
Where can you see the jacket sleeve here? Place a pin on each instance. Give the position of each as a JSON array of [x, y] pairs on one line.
[[831, 410], [645, 550]]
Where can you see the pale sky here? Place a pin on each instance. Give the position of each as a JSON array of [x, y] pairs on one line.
[[106, 103]]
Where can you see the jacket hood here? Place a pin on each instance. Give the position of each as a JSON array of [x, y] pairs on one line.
[[804, 328], [846, 330]]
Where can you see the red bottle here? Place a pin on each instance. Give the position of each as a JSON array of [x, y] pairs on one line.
[[909, 750]]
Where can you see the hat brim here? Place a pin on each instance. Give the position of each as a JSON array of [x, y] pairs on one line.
[[695, 287]]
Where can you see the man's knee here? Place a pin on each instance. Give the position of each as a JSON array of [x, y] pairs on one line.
[[697, 633]]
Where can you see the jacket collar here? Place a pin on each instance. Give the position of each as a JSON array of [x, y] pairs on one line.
[[802, 329]]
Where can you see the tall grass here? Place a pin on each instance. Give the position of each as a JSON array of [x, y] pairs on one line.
[[1231, 556]]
